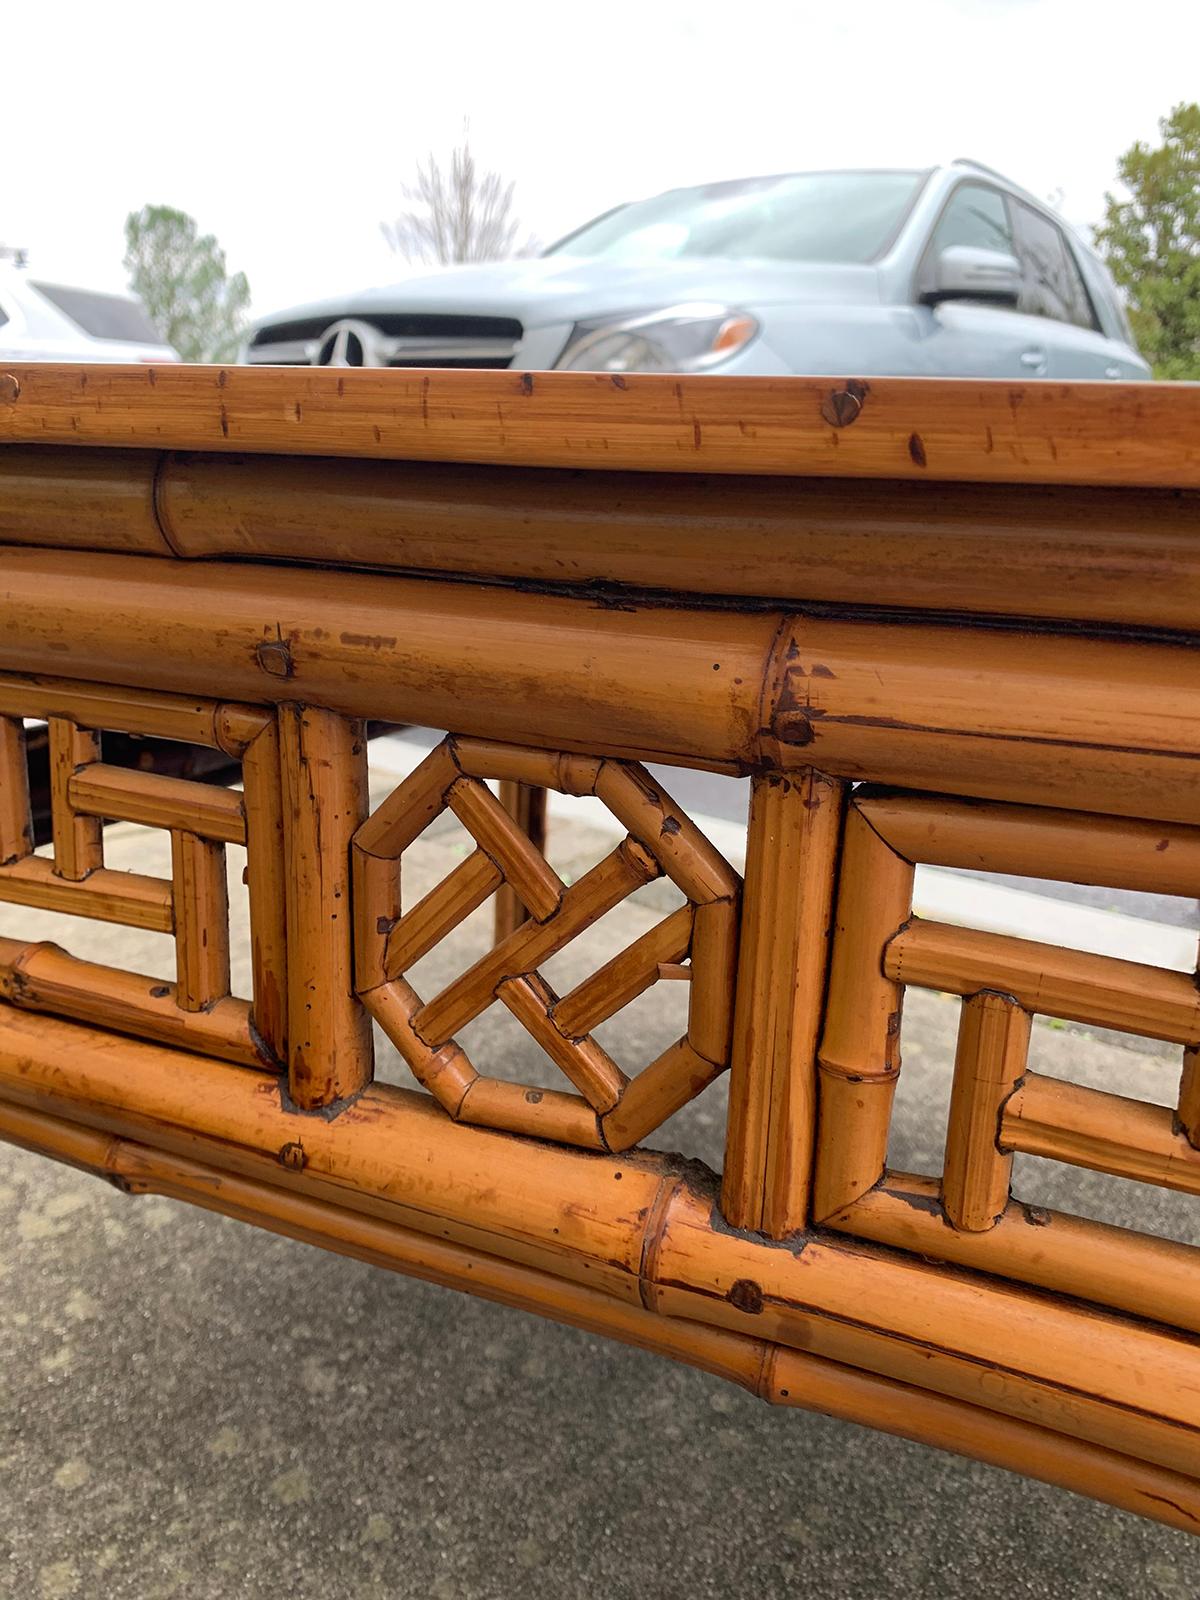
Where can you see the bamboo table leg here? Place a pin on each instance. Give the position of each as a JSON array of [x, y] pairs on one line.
[[325, 799], [790, 863]]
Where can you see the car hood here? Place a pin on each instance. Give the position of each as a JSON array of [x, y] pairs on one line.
[[549, 289]]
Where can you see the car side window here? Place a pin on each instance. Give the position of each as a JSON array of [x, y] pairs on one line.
[[975, 215], [1054, 286]]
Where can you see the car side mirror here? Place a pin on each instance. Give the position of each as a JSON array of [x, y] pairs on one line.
[[967, 272]]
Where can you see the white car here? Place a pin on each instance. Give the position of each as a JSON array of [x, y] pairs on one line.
[[52, 322]]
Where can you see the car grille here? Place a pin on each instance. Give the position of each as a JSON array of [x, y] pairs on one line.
[[388, 339]]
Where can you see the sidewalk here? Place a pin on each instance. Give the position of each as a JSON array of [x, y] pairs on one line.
[[193, 1408]]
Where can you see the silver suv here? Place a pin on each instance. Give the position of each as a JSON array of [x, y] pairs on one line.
[[951, 272]]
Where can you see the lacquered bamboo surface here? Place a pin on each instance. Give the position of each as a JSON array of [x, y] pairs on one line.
[[635, 1227], [1137, 434], [978, 598], [1085, 554], [931, 707], [776, 1374]]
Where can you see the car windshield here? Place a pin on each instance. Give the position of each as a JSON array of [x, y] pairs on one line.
[[104, 316], [807, 216]]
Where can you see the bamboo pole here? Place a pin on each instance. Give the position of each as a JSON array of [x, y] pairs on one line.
[[445, 1072], [608, 883], [933, 1419], [536, 884], [375, 902], [16, 829], [396, 1155], [201, 900], [141, 1168], [935, 1334], [993, 1044], [324, 765], [267, 882], [237, 727], [791, 854], [783, 1377], [629, 974], [1135, 1272], [1107, 1132], [411, 806], [1035, 842], [78, 840], [129, 898], [418, 649], [543, 1113], [915, 429], [526, 804], [694, 865], [658, 1091], [42, 977], [124, 795], [945, 707], [448, 903], [1093, 554], [588, 1065], [716, 932], [539, 769], [80, 499], [1102, 990], [859, 1058], [124, 710], [403, 649], [1187, 1111], [1189, 1097]]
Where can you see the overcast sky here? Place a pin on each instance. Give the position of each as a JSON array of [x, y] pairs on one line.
[[289, 130]]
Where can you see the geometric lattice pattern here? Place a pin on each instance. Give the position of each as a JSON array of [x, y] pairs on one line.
[[698, 942], [998, 1106], [197, 1010]]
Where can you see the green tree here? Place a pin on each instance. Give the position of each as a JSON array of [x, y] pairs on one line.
[[1151, 240], [179, 275]]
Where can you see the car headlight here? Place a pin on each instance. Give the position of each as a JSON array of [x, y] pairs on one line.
[[688, 338]]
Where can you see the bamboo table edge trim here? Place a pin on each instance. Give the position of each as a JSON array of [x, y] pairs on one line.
[[1137, 434]]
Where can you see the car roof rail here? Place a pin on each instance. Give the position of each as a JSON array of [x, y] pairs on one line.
[[994, 172], [981, 166]]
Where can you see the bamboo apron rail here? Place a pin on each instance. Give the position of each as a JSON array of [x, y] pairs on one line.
[[973, 651]]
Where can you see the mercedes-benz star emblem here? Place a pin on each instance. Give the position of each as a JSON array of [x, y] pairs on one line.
[[345, 344]]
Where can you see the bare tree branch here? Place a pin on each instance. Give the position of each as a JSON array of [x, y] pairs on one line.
[[460, 215]]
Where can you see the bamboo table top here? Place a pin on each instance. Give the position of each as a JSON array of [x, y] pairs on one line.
[[1131, 434]]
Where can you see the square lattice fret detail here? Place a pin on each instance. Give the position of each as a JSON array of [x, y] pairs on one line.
[[998, 1106], [698, 941], [197, 1010]]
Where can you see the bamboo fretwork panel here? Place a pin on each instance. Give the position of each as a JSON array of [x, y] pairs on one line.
[[197, 1010], [698, 943], [999, 1107], [266, 1107], [961, 587]]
